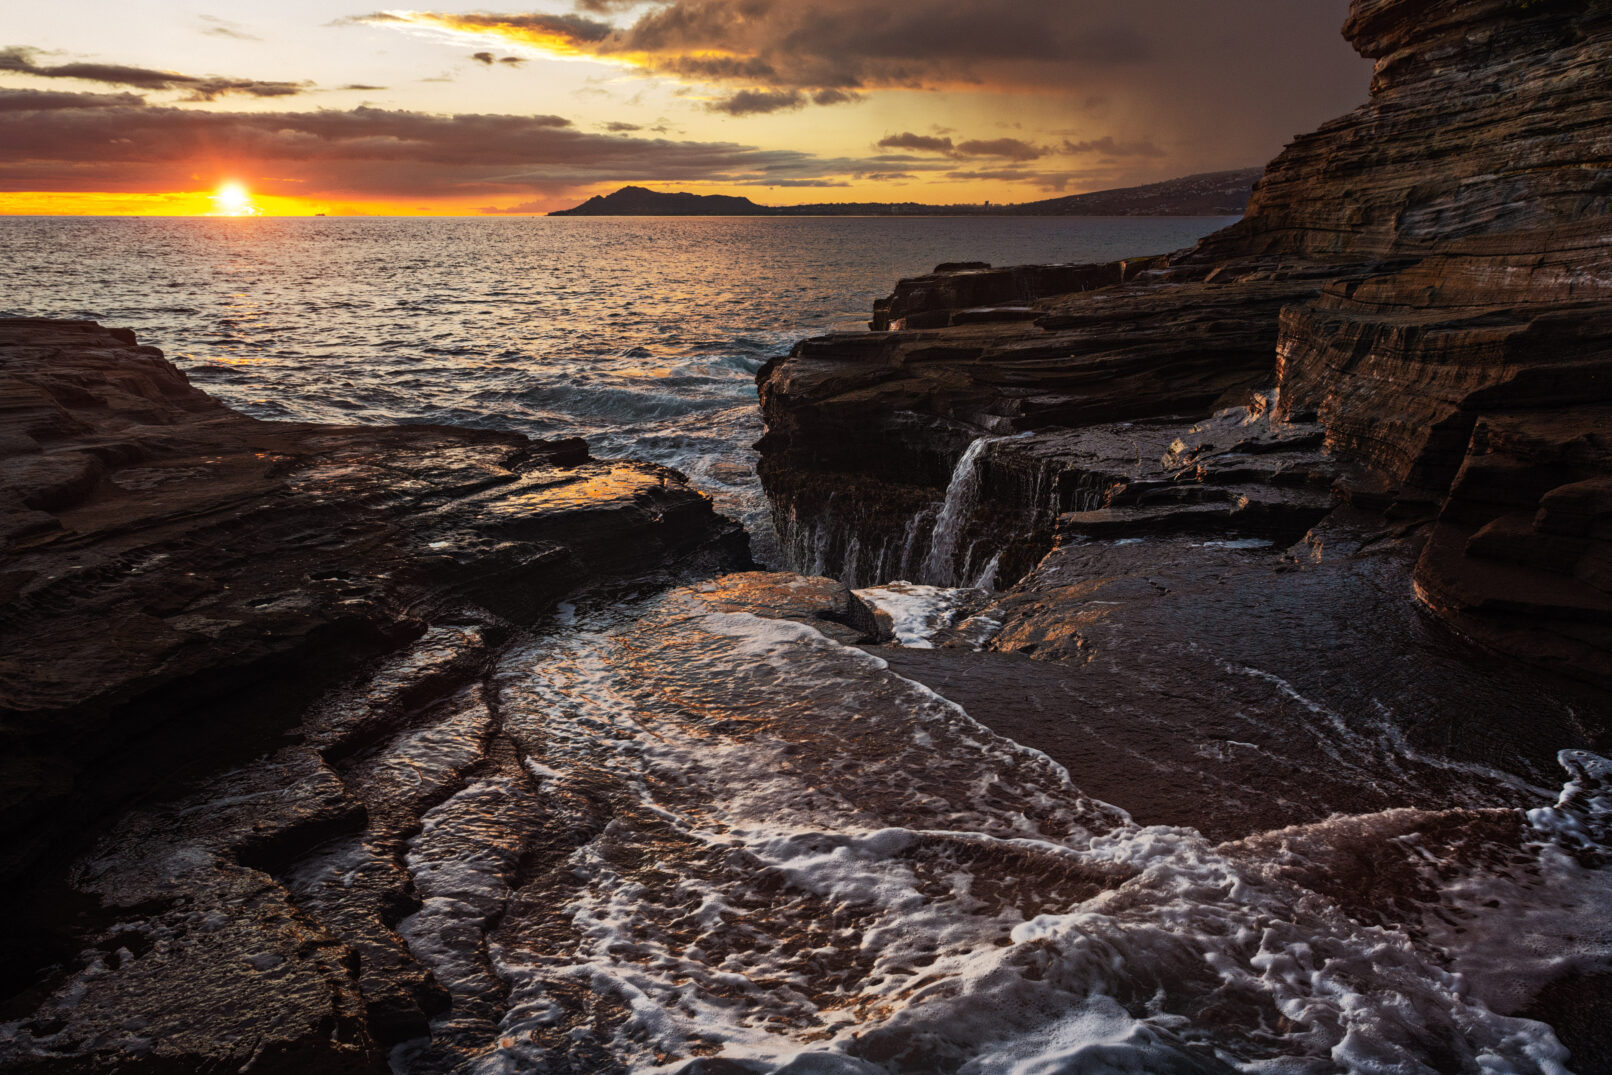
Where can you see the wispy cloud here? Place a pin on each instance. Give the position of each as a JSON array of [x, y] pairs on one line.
[[20, 59], [1014, 149], [213, 26]]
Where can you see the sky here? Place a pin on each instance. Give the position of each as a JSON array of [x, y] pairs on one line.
[[305, 106]]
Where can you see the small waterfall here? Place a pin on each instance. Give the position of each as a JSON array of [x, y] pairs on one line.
[[853, 553], [961, 497], [987, 577], [916, 527]]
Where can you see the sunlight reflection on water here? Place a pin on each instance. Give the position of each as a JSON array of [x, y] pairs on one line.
[[641, 334]]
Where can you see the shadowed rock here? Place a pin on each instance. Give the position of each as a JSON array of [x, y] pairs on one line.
[[179, 582]]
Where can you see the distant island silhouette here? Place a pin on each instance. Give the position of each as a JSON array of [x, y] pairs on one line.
[[1206, 194]]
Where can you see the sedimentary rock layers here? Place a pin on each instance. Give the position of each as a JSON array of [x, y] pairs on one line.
[[1489, 129], [1428, 278], [864, 432]]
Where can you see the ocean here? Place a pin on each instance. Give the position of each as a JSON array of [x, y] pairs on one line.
[[641, 334], [665, 836]]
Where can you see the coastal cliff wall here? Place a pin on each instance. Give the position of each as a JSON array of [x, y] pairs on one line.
[[1422, 290], [1487, 132]]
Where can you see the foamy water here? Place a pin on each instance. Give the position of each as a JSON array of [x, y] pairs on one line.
[[801, 862]]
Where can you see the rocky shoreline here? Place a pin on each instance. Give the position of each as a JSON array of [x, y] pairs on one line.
[[1414, 319], [184, 586], [1340, 475]]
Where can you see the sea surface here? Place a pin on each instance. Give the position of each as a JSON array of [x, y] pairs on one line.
[[669, 835], [641, 334]]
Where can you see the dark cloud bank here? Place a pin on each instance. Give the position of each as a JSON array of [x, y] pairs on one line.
[[1250, 72]]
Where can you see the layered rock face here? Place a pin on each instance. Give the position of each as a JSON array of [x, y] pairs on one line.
[[180, 583], [1423, 289]]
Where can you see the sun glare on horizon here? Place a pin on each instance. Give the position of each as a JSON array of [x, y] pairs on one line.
[[233, 199]]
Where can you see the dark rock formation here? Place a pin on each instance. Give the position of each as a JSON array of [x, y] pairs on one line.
[[1422, 288], [180, 582], [641, 201]]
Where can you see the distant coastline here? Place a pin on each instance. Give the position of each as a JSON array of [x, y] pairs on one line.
[[1207, 194]]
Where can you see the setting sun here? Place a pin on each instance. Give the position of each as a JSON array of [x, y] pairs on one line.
[[232, 199]]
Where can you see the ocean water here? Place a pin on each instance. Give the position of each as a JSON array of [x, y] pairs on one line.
[[712, 843], [641, 334]]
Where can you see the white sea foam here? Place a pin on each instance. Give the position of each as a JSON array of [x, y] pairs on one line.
[[814, 862], [917, 612]]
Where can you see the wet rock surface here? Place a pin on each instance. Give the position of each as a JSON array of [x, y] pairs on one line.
[[183, 588], [694, 830], [1302, 527]]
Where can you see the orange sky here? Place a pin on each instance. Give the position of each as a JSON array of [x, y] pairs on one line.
[[148, 107]]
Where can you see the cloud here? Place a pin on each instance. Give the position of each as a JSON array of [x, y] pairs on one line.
[[51, 100], [361, 86], [830, 49], [1110, 148], [756, 102], [919, 143], [113, 142], [489, 59], [214, 26], [618, 127], [835, 97], [1005, 175], [766, 182], [1007, 148], [1205, 79], [19, 59], [567, 34]]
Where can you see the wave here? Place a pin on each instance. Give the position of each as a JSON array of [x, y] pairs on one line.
[[805, 862]]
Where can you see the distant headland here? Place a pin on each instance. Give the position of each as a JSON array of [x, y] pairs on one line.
[[1207, 194]]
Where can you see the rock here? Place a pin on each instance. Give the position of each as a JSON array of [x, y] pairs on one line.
[[1422, 286], [930, 301], [864, 432], [180, 583]]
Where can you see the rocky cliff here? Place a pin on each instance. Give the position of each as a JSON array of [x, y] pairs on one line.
[[1413, 318]]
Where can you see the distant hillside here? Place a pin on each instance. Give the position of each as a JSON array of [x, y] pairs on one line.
[[1209, 194], [639, 201]]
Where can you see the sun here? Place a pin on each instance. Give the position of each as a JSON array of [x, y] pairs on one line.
[[232, 199]]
